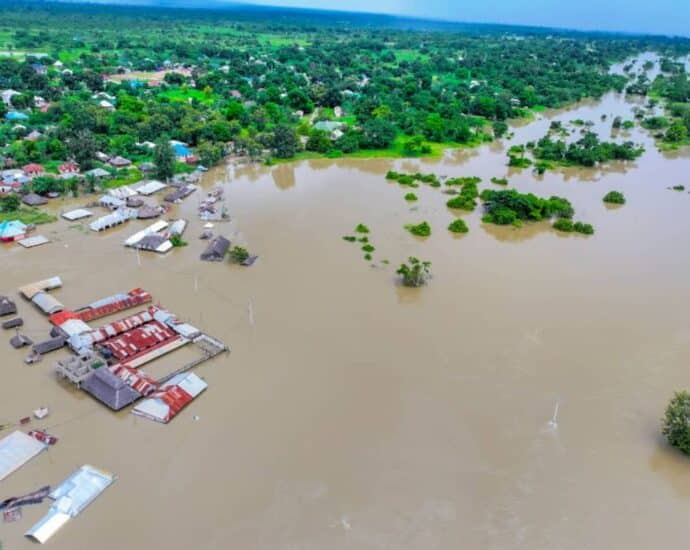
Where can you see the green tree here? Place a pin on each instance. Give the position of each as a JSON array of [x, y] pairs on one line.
[[10, 203], [285, 141], [415, 272], [164, 158], [676, 422], [82, 148]]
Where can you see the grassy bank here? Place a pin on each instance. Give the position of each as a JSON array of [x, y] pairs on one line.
[[28, 216]]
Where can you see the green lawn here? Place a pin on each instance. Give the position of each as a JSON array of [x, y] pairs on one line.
[[28, 216], [396, 150], [181, 94], [123, 177]]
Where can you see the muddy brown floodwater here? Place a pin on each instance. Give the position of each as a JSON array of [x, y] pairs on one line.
[[353, 413]]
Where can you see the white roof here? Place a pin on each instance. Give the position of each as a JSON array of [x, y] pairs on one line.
[[155, 227], [36, 240], [71, 497], [77, 214], [111, 220], [151, 187], [75, 326], [16, 450], [122, 192]]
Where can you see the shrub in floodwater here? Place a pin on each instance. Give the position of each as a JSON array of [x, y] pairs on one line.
[[676, 422], [368, 248], [411, 197], [499, 181], [463, 181], [361, 228], [458, 226], [363, 239], [420, 230], [367, 257], [614, 197], [508, 205], [563, 224], [584, 228], [177, 242], [349, 238], [678, 187], [415, 272], [238, 254]]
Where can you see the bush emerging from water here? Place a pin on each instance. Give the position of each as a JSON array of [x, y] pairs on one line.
[[349, 238], [238, 254], [361, 228], [177, 241], [507, 206], [564, 225], [584, 228], [678, 188], [614, 197], [458, 226], [368, 248], [410, 197], [499, 181], [466, 200], [472, 180], [420, 230], [411, 179], [676, 422], [415, 272]]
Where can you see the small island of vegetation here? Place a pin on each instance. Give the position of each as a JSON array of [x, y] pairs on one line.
[[614, 197]]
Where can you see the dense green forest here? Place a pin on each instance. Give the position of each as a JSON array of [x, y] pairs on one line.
[[88, 82]]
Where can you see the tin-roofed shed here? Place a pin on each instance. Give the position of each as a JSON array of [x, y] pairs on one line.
[[7, 306]]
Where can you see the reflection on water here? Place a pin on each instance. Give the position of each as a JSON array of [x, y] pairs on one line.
[[284, 176], [511, 234]]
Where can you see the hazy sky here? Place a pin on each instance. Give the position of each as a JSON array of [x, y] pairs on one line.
[[655, 16]]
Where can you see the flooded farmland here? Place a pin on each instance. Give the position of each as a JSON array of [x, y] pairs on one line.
[[512, 403]]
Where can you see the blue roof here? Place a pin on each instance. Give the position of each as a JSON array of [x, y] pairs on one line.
[[181, 150], [16, 115], [11, 228]]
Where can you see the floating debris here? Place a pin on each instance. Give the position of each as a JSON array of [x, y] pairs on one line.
[[41, 413], [43, 437], [249, 261], [36, 497], [12, 515]]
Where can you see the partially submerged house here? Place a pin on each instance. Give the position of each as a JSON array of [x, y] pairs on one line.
[[166, 402], [109, 389], [12, 230], [71, 497], [16, 450], [32, 199], [112, 220], [7, 306], [216, 250]]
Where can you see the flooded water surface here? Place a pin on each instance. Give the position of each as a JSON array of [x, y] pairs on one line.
[[512, 403]]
